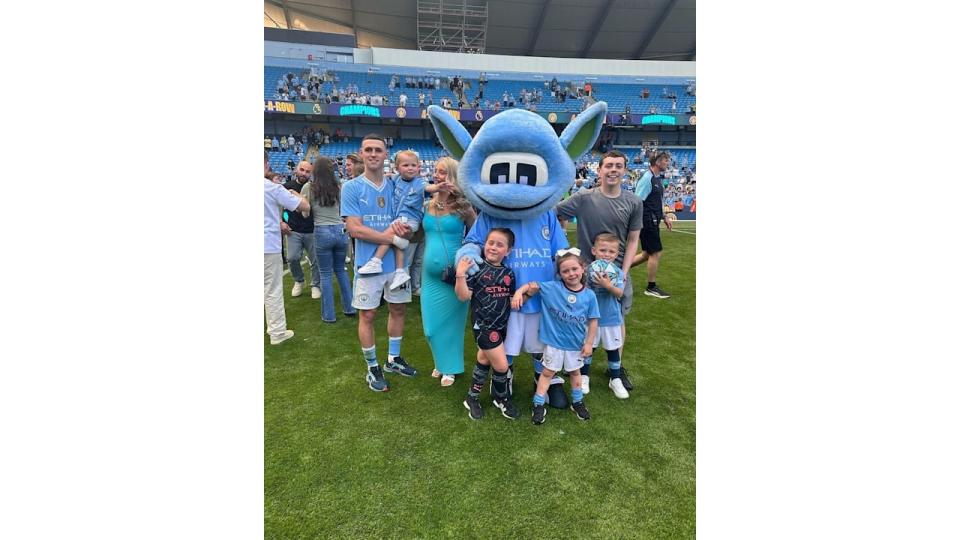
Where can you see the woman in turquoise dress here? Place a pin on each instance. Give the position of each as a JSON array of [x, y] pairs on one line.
[[447, 218]]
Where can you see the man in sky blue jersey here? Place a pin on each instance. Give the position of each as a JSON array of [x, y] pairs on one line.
[[367, 204]]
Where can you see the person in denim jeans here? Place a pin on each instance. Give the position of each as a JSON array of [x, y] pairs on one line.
[[300, 237], [323, 193]]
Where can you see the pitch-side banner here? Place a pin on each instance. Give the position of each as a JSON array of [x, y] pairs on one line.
[[372, 111], [618, 119]]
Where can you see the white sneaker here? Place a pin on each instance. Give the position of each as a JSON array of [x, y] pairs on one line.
[[373, 266], [400, 276], [618, 390], [278, 340], [314, 292], [297, 289], [585, 384], [401, 243]]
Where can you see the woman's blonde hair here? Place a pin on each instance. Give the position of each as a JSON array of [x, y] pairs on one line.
[[458, 203]]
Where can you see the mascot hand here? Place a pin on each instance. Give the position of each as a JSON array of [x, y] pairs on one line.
[[471, 251]]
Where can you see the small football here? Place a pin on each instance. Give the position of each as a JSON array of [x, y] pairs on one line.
[[601, 267]]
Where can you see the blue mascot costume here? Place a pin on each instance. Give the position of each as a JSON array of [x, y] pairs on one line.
[[515, 171]]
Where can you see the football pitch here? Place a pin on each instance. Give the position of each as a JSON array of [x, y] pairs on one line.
[[342, 461]]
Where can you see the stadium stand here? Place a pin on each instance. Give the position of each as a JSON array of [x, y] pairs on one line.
[[618, 95]]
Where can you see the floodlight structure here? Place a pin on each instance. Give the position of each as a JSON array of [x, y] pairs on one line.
[[452, 26]]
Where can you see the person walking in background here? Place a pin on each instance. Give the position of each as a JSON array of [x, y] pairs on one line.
[[650, 191], [447, 216], [323, 193], [274, 197]]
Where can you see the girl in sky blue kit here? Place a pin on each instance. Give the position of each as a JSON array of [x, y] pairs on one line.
[[568, 327]]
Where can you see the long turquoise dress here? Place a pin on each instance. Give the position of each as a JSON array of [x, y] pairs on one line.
[[444, 316]]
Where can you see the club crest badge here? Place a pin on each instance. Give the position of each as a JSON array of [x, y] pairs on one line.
[[572, 299], [381, 202], [545, 232]]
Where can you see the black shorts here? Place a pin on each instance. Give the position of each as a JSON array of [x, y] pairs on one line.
[[489, 338], [650, 237]]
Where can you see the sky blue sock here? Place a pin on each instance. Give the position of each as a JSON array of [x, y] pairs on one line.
[[370, 355], [585, 370], [537, 366], [393, 347], [577, 395], [509, 360], [539, 399]]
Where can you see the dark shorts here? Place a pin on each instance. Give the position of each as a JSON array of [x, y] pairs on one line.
[[650, 237], [489, 338]]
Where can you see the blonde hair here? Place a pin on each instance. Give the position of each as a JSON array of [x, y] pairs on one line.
[[409, 153], [457, 202]]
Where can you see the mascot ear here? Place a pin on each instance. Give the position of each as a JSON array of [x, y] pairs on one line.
[[580, 135], [453, 136]]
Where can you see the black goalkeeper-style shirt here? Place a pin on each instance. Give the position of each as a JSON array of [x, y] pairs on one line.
[[493, 288]]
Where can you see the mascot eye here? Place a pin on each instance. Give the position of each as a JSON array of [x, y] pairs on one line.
[[520, 168], [526, 174], [499, 173]]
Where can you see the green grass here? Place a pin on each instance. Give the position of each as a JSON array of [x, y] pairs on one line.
[[341, 461]]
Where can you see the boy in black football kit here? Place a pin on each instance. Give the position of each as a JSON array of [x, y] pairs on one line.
[[490, 291]]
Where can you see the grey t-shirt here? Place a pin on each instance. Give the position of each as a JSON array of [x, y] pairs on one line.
[[597, 213], [322, 215]]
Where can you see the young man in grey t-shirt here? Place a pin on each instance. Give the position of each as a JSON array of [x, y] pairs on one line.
[[611, 209]]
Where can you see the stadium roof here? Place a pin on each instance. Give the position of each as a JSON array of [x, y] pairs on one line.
[[614, 29]]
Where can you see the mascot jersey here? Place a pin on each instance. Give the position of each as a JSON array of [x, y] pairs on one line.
[[531, 259]]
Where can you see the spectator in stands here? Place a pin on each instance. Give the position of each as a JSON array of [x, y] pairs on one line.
[[274, 196], [577, 186], [422, 98], [588, 89], [403, 99], [650, 190], [271, 144], [283, 144]]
